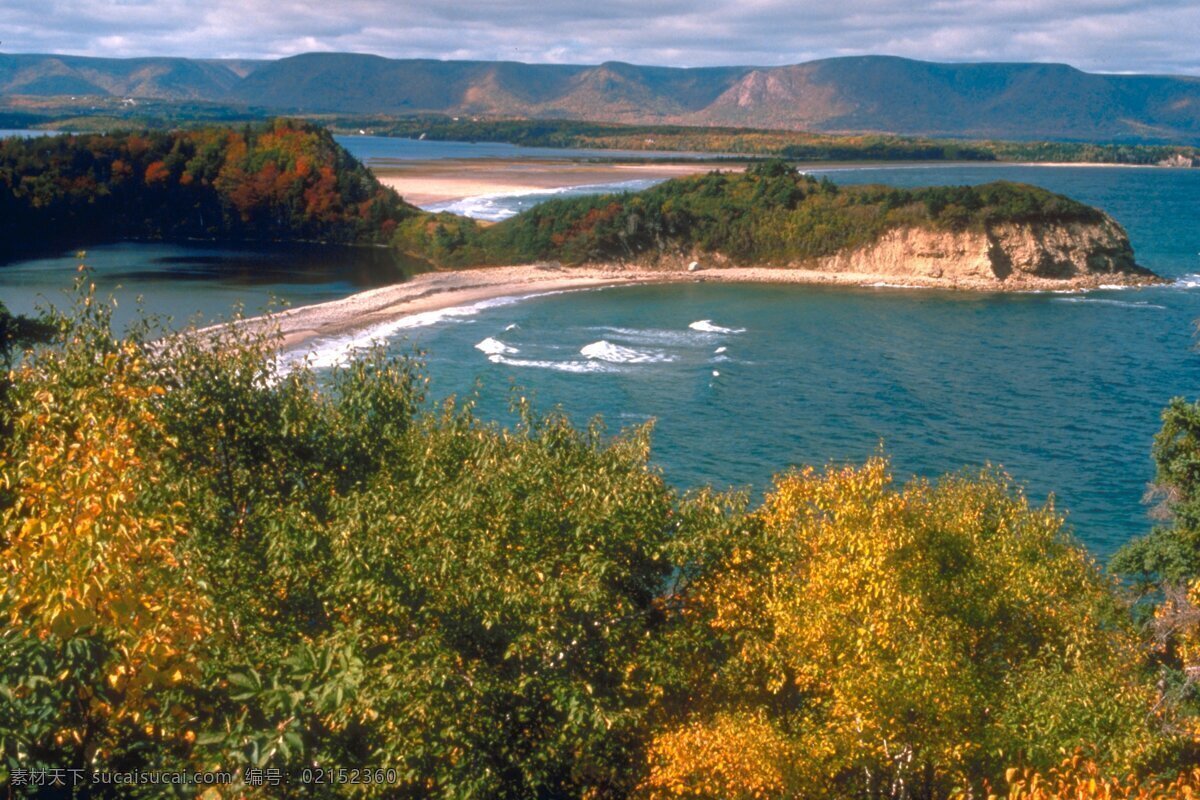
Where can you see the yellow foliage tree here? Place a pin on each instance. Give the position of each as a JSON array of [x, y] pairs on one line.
[[1079, 779], [88, 548], [888, 642]]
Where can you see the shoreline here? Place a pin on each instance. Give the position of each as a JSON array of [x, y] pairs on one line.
[[439, 181], [425, 183], [357, 315]]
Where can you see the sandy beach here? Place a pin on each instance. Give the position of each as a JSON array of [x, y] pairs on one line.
[[304, 327], [426, 182]]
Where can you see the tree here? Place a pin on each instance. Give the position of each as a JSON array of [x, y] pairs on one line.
[[884, 642], [1171, 553], [100, 616]]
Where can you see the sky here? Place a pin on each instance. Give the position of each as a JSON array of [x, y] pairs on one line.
[[1095, 35]]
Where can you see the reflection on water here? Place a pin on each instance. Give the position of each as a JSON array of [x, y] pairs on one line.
[[202, 280]]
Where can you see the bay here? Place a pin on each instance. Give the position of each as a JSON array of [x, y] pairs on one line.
[[1063, 391]]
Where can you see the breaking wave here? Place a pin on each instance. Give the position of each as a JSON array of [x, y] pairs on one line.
[[495, 347], [605, 350], [707, 326]]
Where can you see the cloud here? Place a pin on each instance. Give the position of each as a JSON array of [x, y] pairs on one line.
[[1096, 35]]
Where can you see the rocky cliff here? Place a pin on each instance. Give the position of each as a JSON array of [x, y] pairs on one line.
[[1004, 256]]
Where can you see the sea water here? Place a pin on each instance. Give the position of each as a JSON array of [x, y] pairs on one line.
[[199, 282], [379, 150], [1063, 391]]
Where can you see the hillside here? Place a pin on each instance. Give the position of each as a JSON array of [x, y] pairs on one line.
[[290, 181], [870, 93], [852, 94], [159, 78], [280, 181]]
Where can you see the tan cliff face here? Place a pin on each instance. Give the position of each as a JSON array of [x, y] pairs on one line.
[[1004, 256]]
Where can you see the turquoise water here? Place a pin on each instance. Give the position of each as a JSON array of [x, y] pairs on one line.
[[1062, 390]]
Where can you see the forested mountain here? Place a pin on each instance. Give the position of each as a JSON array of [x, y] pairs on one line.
[[866, 93], [283, 180]]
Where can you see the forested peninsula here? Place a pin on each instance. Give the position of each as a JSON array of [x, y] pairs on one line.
[[290, 181]]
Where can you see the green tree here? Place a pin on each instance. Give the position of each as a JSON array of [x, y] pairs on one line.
[[1171, 553]]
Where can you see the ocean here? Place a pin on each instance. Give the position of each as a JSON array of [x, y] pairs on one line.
[[1063, 391]]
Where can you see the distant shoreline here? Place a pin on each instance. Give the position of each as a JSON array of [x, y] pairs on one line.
[[425, 183], [428, 182]]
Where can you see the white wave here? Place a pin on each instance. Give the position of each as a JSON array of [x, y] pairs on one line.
[[1187, 282], [707, 326], [332, 352], [495, 347], [558, 366], [511, 327], [1105, 302], [719, 350], [887, 285], [502, 205], [650, 336], [605, 350], [719, 359]]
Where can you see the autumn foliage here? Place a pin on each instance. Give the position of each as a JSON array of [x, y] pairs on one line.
[[211, 563], [904, 643], [283, 180]]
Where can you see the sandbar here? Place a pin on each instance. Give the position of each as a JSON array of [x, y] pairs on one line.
[[305, 327], [424, 183]]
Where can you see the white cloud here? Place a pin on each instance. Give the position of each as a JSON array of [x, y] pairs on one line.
[[1099, 35]]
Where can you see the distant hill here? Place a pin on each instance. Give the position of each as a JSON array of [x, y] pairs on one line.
[[856, 94], [159, 78]]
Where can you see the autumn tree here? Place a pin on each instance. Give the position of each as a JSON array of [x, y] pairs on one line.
[[100, 615], [902, 642]]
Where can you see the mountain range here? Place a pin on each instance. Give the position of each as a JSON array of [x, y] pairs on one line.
[[851, 94]]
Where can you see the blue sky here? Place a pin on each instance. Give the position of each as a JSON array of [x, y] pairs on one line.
[[1096, 35]]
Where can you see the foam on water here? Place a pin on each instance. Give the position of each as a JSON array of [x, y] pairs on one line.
[[557, 366], [652, 336], [707, 326], [502, 205], [495, 347], [338, 350], [605, 350], [720, 350], [1106, 302], [886, 285], [1187, 282]]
